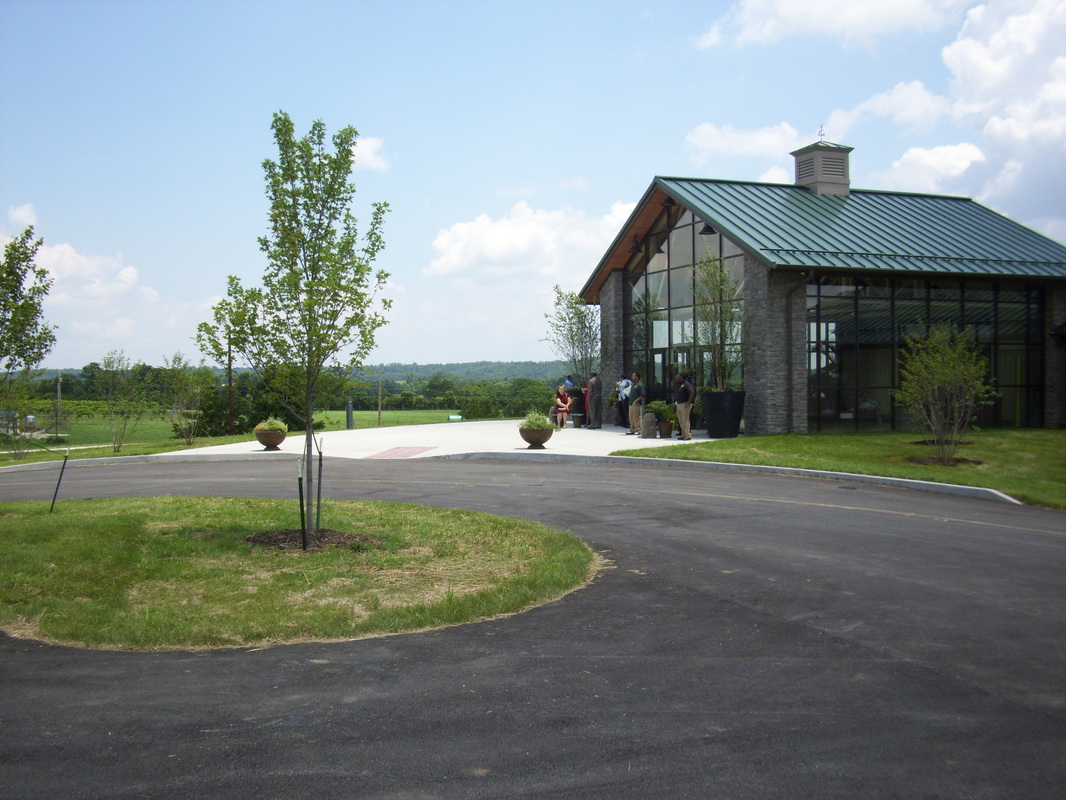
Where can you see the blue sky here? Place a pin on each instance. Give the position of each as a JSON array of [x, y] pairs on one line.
[[510, 139]]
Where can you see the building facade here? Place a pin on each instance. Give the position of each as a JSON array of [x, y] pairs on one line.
[[833, 279]]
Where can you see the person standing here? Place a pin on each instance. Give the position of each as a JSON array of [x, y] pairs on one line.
[[623, 400], [595, 418], [683, 398], [636, 404]]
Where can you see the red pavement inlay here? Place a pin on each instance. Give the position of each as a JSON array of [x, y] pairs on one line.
[[401, 452]]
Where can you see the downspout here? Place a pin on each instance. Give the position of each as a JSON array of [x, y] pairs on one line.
[[788, 351]]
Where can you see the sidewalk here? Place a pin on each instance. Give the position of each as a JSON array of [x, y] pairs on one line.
[[446, 439]]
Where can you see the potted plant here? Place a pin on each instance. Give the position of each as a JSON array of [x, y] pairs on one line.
[[665, 416], [271, 432], [721, 323], [535, 429]]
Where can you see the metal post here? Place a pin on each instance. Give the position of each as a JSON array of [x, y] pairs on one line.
[[318, 506], [62, 469]]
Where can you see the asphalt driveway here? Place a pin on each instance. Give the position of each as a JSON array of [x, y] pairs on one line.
[[754, 636]]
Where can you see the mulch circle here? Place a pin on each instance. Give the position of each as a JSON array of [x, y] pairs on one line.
[[933, 461], [320, 539], [931, 442]]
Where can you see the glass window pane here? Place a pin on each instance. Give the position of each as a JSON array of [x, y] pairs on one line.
[[910, 290], [681, 328], [730, 249], [1011, 293], [681, 246], [910, 318], [980, 318], [657, 296], [638, 334], [636, 294], [660, 326], [656, 252], [681, 286], [945, 290], [704, 244], [1011, 323]]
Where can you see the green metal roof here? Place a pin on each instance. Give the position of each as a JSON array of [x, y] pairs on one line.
[[790, 226]]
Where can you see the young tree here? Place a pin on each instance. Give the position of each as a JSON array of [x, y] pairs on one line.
[[318, 304], [184, 388], [121, 387], [574, 333], [944, 380], [25, 339], [720, 321]]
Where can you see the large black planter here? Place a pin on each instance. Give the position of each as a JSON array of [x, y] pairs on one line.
[[721, 413]]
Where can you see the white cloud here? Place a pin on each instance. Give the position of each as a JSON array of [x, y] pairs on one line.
[[369, 154], [909, 105], [490, 282], [712, 38], [1009, 81], [777, 174], [927, 170], [708, 139], [22, 216], [543, 244], [854, 21], [99, 304]]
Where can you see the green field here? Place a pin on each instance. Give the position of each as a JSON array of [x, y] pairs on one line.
[[90, 437]]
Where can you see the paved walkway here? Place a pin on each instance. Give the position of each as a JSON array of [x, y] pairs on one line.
[[500, 439], [449, 439]]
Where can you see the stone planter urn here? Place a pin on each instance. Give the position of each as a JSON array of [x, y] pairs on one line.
[[535, 437], [270, 439]]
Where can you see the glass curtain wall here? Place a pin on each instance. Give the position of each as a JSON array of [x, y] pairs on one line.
[[660, 293], [855, 328]]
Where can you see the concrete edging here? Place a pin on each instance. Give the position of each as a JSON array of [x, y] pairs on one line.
[[901, 483]]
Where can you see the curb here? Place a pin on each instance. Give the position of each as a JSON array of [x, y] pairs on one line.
[[978, 492]]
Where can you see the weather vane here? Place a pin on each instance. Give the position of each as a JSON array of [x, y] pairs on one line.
[[821, 133]]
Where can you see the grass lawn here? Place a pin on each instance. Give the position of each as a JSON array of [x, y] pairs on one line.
[[89, 437], [1028, 464], [177, 573]]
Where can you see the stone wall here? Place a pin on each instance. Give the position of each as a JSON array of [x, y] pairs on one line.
[[775, 364], [611, 334]]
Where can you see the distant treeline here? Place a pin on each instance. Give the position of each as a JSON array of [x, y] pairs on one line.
[[548, 371], [479, 390]]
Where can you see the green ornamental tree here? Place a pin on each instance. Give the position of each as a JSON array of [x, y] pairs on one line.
[[720, 322], [318, 304], [185, 388], [25, 338], [122, 388], [574, 333], [944, 381]]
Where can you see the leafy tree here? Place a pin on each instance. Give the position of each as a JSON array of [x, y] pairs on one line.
[[720, 322], [184, 388], [25, 339], [121, 387], [574, 333], [439, 385], [318, 304], [944, 380]]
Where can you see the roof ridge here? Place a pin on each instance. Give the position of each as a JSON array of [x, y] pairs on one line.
[[899, 192]]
